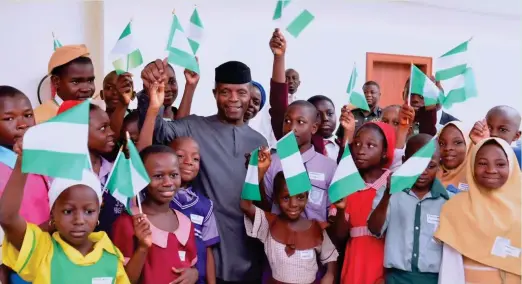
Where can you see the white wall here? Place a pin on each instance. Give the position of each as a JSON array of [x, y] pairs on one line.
[[240, 30]]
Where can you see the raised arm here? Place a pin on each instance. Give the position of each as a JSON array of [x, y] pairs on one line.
[[378, 218], [156, 96], [278, 87], [12, 223], [406, 120], [125, 89], [264, 160], [191, 79]]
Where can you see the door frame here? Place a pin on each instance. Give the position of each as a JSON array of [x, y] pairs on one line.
[[372, 57]]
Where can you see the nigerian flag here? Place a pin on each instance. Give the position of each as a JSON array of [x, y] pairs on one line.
[[56, 42], [128, 176], [406, 176], [180, 52], [421, 85], [126, 55], [58, 147], [346, 179], [195, 31], [456, 75], [296, 176], [355, 98], [291, 17], [251, 186]]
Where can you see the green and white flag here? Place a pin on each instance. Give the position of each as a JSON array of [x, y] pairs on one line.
[[126, 55], [421, 85], [251, 187], [346, 179], [456, 75], [56, 42], [128, 176], [195, 31], [355, 98], [180, 52], [296, 176], [58, 147], [291, 17], [406, 176]]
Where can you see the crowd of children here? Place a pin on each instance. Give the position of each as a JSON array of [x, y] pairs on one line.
[[459, 222]]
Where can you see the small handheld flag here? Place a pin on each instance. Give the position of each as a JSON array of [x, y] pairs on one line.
[[126, 54], [346, 179], [251, 187], [421, 85], [292, 18], [180, 51], [56, 42], [355, 98], [296, 176], [195, 31]]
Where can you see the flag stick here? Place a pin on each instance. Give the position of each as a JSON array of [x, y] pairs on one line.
[[138, 200], [173, 11], [112, 170]]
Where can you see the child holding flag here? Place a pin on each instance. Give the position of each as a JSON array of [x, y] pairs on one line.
[[409, 218], [166, 251], [72, 254], [197, 207], [293, 244], [372, 150]]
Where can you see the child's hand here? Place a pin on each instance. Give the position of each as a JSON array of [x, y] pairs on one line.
[[154, 72], [264, 160], [406, 116], [191, 78], [156, 95], [278, 43], [347, 121], [480, 131], [125, 88], [187, 275], [142, 230], [388, 185], [18, 146], [341, 204]]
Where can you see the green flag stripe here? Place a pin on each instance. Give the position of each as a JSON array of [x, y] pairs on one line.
[[253, 161], [417, 81], [351, 83], [126, 32], [359, 101], [65, 165], [339, 190], [300, 23], [136, 162], [446, 74], [134, 59], [76, 115], [400, 183], [251, 192], [287, 146], [298, 184], [459, 48], [195, 19], [194, 45], [183, 59]]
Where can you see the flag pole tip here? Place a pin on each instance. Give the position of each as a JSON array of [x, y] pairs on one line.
[[128, 135], [173, 11]]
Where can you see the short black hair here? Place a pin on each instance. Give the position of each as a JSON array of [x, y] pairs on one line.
[[155, 149], [131, 117], [372, 83], [317, 98], [375, 127], [279, 182], [58, 70], [415, 143], [9, 92], [391, 106], [305, 104]]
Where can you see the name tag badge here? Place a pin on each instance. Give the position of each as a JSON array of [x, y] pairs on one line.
[[102, 280], [315, 196], [196, 219], [306, 254], [463, 186], [182, 255], [316, 176], [500, 247], [513, 251], [432, 219]]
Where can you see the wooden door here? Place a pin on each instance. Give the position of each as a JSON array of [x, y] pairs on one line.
[[391, 71]]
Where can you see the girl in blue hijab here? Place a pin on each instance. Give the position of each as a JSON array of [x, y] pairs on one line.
[[256, 102]]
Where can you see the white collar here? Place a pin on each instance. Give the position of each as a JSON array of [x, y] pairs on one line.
[[58, 100]]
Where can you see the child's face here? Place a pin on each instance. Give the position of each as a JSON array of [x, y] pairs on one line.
[[134, 131], [328, 118], [188, 158], [303, 121], [426, 178], [171, 87], [163, 170], [101, 136], [291, 206], [501, 125], [110, 95], [368, 148], [416, 101], [372, 94], [452, 146], [76, 83], [391, 116], [491, 168], [75, 214], [17, 115], [255, 104]]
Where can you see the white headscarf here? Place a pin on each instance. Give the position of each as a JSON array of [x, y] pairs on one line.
[[59, 185]]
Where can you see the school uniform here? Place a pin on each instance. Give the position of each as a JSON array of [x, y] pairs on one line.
[[411, 254], [46, 259], [200, 211], [331, 147], [320, 171]]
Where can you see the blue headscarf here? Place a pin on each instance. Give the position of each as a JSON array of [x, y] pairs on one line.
[[263, 94]]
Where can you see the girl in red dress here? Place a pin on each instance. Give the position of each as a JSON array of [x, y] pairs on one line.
[[372, 150]]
